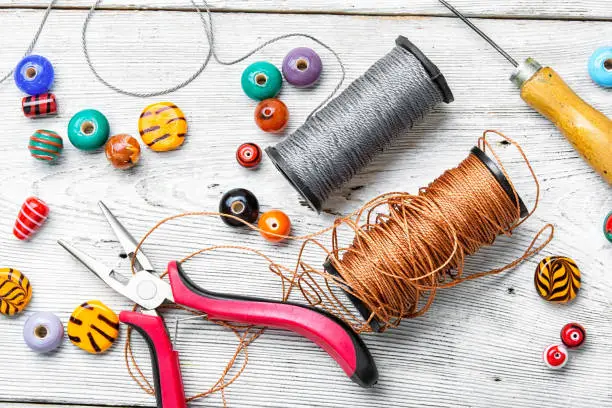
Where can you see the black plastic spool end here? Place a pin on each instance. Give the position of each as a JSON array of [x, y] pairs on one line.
[[363, 310]]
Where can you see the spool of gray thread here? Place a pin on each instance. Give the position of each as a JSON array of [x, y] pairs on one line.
[[395, 93]]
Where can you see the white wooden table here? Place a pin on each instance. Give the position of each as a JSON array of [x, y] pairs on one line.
[[478, 346]]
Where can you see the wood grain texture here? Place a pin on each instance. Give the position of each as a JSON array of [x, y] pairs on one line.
[[479, 345], [555, 9]]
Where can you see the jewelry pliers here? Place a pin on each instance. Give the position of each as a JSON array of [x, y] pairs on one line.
[[148, 291]]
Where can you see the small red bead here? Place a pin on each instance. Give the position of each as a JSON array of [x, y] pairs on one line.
[[31, 217], [248, 155], [271, 115], [555, 356], [573, 335]]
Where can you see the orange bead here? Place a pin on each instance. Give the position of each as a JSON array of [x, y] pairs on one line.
[[271, 115], [122, 151], [275, 222]]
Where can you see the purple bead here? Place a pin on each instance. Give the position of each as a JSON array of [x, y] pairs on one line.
[[43, 332], [302, 67]]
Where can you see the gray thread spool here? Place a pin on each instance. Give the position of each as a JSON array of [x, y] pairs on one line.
[[395, 93]]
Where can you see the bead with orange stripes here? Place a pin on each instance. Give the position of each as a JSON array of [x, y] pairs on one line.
[[162, 126], [31, 217], [45, 145]]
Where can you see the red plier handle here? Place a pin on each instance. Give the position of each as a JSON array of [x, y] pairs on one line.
[[329, 332]]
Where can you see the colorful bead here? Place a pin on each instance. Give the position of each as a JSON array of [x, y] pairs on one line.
[[607, 227], [31, 217], [162, 126], [122, 151], [274, 222], [43, 332], [271, 115], [302, 67], [46, 145], [248, 155], [261, 80], [557, 279], [93, 327], [34, 75], [39, 106], [600, 66], [573, 335], [88, 129], [555, 356], [15, 291], [240, 203]]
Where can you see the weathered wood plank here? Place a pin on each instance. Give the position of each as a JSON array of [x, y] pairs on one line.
[[583, 9], [480, 344]]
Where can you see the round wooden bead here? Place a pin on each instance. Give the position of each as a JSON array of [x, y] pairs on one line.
[[557, 279], [46, 145], [34, 75], [39, 106], [573, 335], [261, 80], [122, 151], [600, 67], [555, 356], [162, 126], [302, 67], [15, 291], [271, 115], [88, 129], [274, 222], [43, 332], [93, 327], [240, 203], [607, 227], [31, 217], [248, 155]]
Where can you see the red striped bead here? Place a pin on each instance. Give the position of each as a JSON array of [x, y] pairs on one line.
[[31, 217], [39, 106], [248, 155]]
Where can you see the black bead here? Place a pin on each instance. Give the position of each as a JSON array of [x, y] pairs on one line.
[[240, 203]]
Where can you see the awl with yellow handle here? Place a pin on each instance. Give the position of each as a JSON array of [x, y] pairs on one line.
[[589, 130]]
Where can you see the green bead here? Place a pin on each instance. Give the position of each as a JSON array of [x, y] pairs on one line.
[[261, 80], [88, 129], [45, 145]]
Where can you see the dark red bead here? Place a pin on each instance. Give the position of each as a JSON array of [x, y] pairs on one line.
[[248, 155], [573, 335], [39, 106]]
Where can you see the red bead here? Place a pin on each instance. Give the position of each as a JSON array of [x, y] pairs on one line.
[[274, 222], [573, 335], [555, 356], [248, 155], [31, 217], [271, 115], [39, 106]]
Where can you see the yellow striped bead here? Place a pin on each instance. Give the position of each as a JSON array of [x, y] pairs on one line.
[[557, 279], [93, 327], [15, 291], [162, 126]]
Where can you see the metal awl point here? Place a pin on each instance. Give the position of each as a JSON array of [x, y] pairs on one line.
[[483, 35]]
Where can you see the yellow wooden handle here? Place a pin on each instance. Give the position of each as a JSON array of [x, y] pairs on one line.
[[589, 130]]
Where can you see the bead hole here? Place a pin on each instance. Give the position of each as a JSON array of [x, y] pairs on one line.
[[301, 64], [248, 154], [41, 332], [267, 112], [608, 64], [274, 225], [31, 72], [237, 207], [87, 128], [261, 79]]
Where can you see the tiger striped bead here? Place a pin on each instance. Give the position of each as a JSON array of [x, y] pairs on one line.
[[15, 291], [557, 279], [162, 126], [46, 145], [31, 217], [93, 327], [39, 106]]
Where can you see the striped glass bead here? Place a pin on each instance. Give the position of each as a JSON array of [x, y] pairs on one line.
[[45, 145]]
